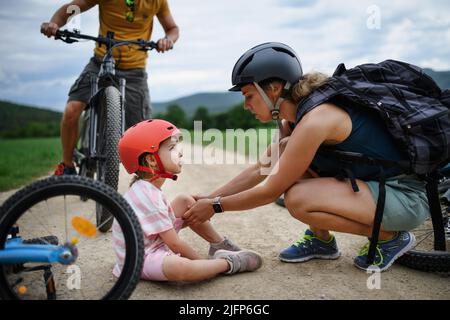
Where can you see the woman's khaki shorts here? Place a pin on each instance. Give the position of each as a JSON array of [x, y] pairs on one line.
[[406, 204]]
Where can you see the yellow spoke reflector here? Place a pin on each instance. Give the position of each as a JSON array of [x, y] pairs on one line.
[[74, 241], [84, 227]]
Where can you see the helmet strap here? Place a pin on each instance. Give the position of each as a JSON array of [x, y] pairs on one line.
[[160, 173], [274, 109]]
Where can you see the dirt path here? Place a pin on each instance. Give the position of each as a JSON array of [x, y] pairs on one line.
[[268, 230]]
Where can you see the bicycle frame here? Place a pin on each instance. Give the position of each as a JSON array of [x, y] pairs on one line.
[[16, 252], [105, 77]]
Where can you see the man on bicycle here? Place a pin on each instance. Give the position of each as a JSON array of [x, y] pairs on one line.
[[129, 20]]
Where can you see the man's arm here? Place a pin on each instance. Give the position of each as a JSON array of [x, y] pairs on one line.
[[61, 16], [170, 29]]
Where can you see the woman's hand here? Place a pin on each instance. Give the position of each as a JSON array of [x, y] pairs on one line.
[[200, 211], [201, 196]]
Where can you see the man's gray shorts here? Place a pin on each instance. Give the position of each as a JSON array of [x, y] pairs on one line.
[[137, 98]]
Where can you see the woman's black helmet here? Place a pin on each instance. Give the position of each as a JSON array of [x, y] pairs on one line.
[[265, 61]]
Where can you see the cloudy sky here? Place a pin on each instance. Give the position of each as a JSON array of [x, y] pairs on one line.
[[39, 71]]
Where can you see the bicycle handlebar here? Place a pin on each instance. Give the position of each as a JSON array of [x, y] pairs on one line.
[[71, 37]]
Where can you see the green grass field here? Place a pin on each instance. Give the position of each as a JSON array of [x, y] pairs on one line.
[[24, 160]]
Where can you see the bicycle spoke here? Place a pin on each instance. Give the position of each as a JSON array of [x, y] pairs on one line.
[[104, 222], [426, 237], [65, 218]]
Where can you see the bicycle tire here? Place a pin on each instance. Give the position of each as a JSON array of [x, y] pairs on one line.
[[428, 261], [25, 198], [108, 169]]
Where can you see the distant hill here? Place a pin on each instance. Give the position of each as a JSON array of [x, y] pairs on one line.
[[17, 120], [441, 77], [216, 102], [222, 101]]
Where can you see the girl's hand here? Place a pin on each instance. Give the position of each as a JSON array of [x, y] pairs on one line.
[[200, 211]]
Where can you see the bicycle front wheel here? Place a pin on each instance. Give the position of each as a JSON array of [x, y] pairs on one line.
[[48, 212], [108, 136]]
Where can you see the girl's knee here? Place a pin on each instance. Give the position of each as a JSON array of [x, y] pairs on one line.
[[181, 204], [185, 200]]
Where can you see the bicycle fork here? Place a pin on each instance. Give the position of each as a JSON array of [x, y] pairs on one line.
[[94, 113]]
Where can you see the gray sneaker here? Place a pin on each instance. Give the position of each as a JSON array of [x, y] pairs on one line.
[[226, 244], [240, 261]]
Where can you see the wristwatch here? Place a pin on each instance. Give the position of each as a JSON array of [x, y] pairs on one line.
[[216, 205]]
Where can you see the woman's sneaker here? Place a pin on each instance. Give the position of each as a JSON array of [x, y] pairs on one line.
[[310, 247], [386, 252], [226, 244], [240, 261]]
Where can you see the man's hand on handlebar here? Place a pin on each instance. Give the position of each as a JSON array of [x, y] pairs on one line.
[[49, 29], [164, 44]]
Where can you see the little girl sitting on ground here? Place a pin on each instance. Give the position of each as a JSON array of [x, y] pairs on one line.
[[151, 150]]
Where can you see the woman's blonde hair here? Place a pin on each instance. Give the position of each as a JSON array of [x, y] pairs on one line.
[[309, 82]]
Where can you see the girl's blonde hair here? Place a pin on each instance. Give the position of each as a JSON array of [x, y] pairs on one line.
[[138, 175]]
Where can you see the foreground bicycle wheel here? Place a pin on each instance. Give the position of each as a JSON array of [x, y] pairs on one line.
[[50, 211], [108, 136]]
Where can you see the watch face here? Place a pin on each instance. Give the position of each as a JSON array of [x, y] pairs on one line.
[[217, 208]]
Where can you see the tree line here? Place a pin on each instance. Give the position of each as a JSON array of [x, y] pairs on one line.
[[234, 118]]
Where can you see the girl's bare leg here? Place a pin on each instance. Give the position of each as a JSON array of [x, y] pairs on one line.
[[178, 268], [205, 230]]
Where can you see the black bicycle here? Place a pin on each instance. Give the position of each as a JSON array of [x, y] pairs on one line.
[[50, 247], [103, 121]]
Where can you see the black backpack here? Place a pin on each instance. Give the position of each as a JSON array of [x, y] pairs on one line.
[[415, 112], [413, 107]]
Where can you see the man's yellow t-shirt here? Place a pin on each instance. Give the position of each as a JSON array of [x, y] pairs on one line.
[[112, 14]]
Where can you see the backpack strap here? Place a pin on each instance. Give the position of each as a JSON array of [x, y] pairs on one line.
[[378, 219], [357, 158]]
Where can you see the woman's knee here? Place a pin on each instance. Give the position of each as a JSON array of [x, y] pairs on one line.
[[296, 201]]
